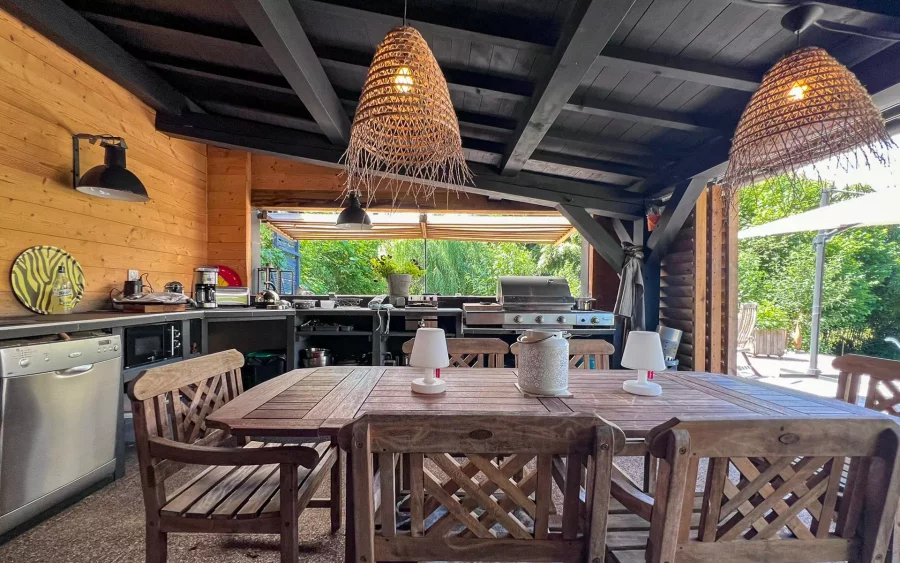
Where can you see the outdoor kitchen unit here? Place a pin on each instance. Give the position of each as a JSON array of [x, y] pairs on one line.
[[533, 302]]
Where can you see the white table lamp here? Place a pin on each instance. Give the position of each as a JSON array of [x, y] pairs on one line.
[[430, 351], [643, 352]]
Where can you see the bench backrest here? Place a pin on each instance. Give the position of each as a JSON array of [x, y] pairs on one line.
[[774, 490], [466, 505], [471, 352], [173, 402], [581, 352], [882, 393]]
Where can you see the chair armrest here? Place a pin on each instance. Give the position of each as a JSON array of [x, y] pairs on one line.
[[205, 455], [632, 498]]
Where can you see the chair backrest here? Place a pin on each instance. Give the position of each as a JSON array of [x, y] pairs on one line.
[[464, 505], [581, 352], [173, 402], [746, 323], [882, 392], [774, 490], [471, 352]]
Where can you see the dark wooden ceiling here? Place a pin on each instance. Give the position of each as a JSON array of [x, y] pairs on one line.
[[656, 103]]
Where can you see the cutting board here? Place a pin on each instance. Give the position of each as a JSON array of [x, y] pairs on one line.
[[33, 273]]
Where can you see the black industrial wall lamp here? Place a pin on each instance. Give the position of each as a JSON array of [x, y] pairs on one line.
[[109, 180]]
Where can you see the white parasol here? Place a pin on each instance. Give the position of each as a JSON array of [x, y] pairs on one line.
[[876, 208]]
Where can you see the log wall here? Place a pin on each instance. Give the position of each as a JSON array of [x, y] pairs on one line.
[[699, 285], [46, 95]]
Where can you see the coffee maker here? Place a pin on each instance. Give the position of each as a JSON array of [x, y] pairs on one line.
[[206, 278]]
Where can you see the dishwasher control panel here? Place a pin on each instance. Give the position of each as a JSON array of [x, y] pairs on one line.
[[53, 356]]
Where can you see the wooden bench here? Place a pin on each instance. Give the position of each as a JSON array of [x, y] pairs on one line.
[[581, 353], [471, 352], [255, 488], [456, 516], [772, 493]]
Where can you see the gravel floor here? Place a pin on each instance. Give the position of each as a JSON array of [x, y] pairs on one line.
[[108, 527]]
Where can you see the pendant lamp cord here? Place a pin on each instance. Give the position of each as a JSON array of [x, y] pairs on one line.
[[404, 14]]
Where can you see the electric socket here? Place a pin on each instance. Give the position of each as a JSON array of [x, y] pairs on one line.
[[133, 275]]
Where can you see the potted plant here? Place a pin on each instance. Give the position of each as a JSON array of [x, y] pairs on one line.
[[399, 275], [771, 333]]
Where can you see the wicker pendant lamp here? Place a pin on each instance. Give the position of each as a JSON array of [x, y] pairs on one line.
[[405, 123], [808, 108]]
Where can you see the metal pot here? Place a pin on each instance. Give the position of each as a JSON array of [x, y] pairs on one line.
[[584, 303], [315, 357]]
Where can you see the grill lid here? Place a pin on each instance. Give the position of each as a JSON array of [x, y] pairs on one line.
[[534, 292]]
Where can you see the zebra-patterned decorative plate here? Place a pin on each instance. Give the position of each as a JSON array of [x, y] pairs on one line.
[[33, 273]]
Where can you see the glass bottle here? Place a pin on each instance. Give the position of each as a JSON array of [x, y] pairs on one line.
[[62, 295]]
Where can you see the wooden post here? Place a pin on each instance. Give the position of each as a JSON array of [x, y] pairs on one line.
[[716, 284], [730, 231], [700, 282], [228, 206]]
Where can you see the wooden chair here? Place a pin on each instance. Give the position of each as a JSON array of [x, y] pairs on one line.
[[467, 507], [471, 352], [581, 352], [746, 325], [257, 488], [772, 492], [883, 390]]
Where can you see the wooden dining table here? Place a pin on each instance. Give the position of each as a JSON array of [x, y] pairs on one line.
[[318, 402]]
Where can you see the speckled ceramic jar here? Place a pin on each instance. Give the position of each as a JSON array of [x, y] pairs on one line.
[[543, 362]]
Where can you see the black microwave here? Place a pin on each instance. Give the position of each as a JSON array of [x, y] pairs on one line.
[[152, 343]]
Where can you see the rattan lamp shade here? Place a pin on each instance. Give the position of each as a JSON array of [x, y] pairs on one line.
[[808, 108], [405, 123]]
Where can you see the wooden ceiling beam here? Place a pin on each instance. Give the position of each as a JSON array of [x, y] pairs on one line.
[[278, 29], [589, 27], [509, 32], [646, 115], [533, 188], [604, 243], [700, 72], [677, 210], [458, 81], [68, 29]]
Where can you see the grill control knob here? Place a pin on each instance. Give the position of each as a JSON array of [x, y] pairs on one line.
[[539, 319], [595, 320], [561, 319], [517, 318], [24, 362]]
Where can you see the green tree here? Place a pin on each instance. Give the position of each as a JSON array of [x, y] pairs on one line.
[[467, 268], [862, 266]]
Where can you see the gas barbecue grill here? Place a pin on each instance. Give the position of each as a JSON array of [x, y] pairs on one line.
[[533, 302]]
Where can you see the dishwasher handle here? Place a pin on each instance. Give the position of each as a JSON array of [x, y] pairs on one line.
[[74, 371]]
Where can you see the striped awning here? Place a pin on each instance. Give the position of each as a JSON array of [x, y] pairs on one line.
[[539, 229]]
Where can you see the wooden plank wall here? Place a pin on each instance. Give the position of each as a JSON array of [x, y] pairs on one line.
[[700, 285], [46, 95], [229, 209]]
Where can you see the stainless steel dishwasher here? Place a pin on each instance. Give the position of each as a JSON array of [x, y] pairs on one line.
[[58, 409]]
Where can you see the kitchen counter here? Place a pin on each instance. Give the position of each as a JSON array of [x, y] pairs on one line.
[[39, 325], [441, 311]]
